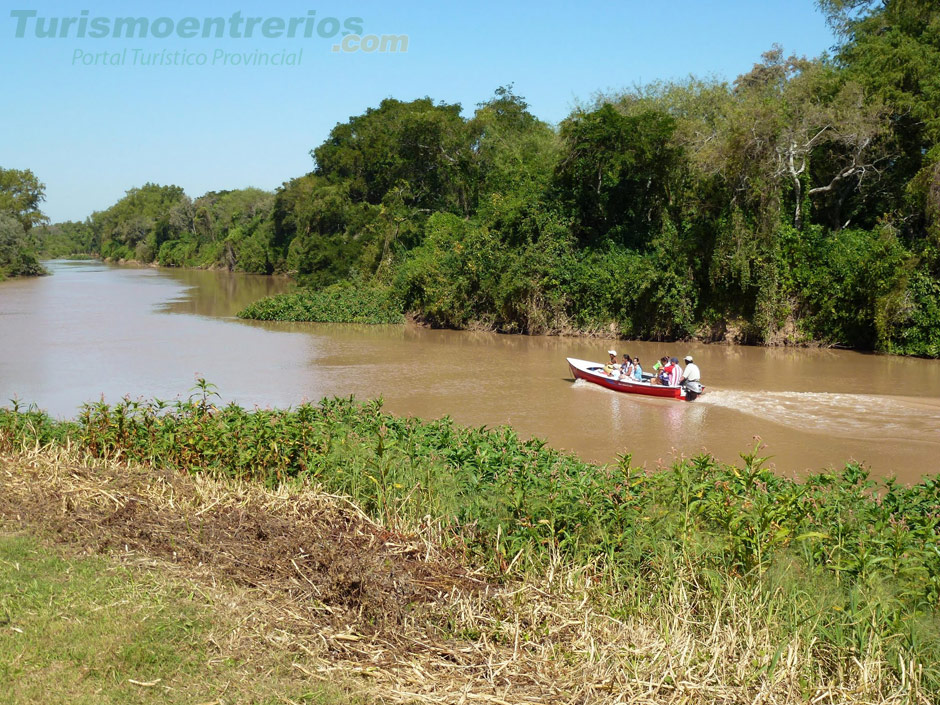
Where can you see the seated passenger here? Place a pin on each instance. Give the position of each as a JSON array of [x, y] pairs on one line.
[[675, 372], [612, 366], [626, 366], [659, 369], [637, 370], [665, 374]]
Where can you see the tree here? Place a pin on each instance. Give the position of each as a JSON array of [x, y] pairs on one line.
[[514, 159], [16, 257], [20, 195], [892, 49], [792, 131], [833, 134], [422, 143], [618, 172], [143, 215], [64, 239]]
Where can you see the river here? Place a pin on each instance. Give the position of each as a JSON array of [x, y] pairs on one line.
[[93, 330]]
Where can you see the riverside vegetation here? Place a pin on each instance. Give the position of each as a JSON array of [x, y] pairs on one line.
[[830, 584], [798, 204], [343, 302], [20, 195]]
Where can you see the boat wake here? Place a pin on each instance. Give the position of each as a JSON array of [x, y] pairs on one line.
[[863, 416]]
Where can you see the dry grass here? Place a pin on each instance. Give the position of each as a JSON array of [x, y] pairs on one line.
[[307, 574]]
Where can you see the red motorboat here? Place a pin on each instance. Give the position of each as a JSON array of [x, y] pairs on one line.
[[595, 372]]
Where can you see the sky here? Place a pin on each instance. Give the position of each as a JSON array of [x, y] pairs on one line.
[[91, 130]]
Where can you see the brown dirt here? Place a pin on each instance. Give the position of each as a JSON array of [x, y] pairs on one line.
[[315, 549]]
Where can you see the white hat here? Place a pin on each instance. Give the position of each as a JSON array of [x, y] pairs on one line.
[[688, 358], [611, 352]]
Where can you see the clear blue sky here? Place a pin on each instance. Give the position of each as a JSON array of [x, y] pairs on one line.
[[92, 132]]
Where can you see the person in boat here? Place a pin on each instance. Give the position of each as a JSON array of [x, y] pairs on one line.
[[660, 376], [665, 374], [692, 372], [636, 371], [626, 367], [675, 372], [612, 366]]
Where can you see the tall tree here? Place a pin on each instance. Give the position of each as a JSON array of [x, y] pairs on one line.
[[617, 172], [16, 256], [20, 195], [422, 143], [801, 124], [514, 159], [892, 49]]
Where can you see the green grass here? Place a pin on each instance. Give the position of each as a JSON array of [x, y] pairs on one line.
[[850, 565], [80, 629], [339, 303]]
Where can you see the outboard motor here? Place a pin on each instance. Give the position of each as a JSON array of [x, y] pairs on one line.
[[693, 390]]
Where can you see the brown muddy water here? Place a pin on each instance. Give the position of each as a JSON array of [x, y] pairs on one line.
[[93, 330]]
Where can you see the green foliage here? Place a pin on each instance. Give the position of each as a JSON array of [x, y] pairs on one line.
[[231, 229], [17, 257], [344, 302], [177, 252], [142, 215], [67, 239], [515, 158], [617, 173], [419, 143], [449, 276], [20, 195], [849, 563], [863, 290], [332, 237], [910, 319]]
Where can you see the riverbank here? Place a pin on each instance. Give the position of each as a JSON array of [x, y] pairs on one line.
[[370, 303], [339, 303], [213, 267], [701, 582], [5, 277]]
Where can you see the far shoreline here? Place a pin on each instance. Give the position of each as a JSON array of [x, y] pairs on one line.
[[415, 318]]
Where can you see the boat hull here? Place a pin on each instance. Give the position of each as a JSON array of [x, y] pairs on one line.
[[594, 372]]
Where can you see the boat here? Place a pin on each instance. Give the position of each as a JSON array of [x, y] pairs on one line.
[[594, 372]]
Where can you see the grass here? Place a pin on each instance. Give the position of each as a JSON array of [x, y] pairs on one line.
[[94, 628], [726, 576], [338, 303], [85, 629]]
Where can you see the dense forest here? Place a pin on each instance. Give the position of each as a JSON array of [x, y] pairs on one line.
[[799, 203]]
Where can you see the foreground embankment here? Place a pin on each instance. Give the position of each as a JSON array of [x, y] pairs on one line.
[[423, 561]]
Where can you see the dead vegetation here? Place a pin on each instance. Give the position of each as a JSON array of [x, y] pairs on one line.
[[402, 616]]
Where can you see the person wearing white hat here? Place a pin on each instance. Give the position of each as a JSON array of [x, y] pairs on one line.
[[692, 372], [613, 365]]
